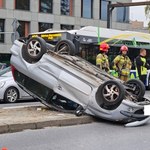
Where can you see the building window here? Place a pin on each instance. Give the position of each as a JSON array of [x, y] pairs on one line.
[[87, 8], [46, 6], [67, 7], [2, 3], [23, 28], [22, 4], [66, 27], [103, 10], [44, 26], [123, 14], [2, 22]]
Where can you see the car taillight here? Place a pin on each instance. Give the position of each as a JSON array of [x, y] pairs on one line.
[[13, 71]]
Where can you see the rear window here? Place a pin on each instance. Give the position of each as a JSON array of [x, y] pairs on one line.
[[33, 86]]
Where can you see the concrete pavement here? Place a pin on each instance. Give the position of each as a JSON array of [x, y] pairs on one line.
[[36, 117]]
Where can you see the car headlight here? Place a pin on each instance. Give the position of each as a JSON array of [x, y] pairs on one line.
[[2, 84]]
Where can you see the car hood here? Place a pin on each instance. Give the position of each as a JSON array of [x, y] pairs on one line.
[[5, 78]]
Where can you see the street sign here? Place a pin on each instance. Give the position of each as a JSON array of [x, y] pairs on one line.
[[15, 35], [15, 24]]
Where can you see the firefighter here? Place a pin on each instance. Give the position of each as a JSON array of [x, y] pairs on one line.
[[142, 65], [122, 64], [102, 59]]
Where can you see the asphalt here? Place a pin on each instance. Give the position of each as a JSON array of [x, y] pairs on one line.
[[37, 117]]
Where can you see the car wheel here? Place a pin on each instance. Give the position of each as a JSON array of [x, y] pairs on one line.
[[65, 47], [110, 94], [34, 49], [136, 87], [11, 95]]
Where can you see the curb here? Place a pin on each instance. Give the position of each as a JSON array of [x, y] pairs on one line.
[[16, 126]]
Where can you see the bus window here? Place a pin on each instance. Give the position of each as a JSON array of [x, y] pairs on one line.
[[89, 52], [112, 53]]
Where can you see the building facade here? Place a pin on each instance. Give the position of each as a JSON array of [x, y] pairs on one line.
[[27, 16]]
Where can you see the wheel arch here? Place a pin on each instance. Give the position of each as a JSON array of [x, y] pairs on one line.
[[110, 105]]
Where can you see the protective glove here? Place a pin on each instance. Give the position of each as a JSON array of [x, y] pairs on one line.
[[107, 69]]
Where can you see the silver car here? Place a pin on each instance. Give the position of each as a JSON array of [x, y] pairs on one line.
[[3, 66], [9, 90], [64, 81]]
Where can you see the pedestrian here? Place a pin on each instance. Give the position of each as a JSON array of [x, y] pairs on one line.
[[122, 64], [142, 66], [102, 59]]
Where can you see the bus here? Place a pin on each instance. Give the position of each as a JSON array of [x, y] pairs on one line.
[[88, 39]]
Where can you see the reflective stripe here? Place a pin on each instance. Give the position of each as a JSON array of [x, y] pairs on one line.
[[143, 68], [102, 61], [132, 76]]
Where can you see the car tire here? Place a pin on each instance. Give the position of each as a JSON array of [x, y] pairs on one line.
[[137, 88], [65, 47], [34, 49], [110, 94], [11, 95]]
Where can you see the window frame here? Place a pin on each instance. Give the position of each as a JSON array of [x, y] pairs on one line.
[[71, 27], [70, 6], [101, 16], [17, 8], [122, 14], [2, 35], [50, 24], [26, 29], [40, 7], [82, 10]]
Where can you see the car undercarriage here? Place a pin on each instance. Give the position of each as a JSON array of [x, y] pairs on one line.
[[60, 79]]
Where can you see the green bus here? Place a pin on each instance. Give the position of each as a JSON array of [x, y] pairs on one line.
[[88, 39]]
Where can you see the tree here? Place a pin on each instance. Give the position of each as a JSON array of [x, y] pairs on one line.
[[147, 13]]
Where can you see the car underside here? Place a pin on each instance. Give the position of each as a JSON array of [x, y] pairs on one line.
[[60, 79]]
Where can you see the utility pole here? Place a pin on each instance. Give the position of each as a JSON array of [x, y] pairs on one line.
[[111, 6], [109, 14]]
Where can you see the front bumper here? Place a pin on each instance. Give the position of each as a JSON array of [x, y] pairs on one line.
[[135, 119]]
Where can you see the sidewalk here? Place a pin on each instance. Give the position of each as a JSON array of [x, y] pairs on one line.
[[36, 117]]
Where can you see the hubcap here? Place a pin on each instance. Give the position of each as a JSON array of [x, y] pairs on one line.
[[34, 48], [12, 95], [63, 49], [111, 92]]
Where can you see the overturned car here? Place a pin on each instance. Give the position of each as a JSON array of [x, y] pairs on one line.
[[60, 79]]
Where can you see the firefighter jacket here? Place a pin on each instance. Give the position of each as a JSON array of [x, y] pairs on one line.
[[122, 64], [141, 65], [102, 62]]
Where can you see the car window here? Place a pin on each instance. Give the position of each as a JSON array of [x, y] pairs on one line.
[[2, 66], [7, 74], [36, 88], [2, 72]]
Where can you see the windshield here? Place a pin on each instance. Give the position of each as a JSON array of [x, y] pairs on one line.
[[7, 74]]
